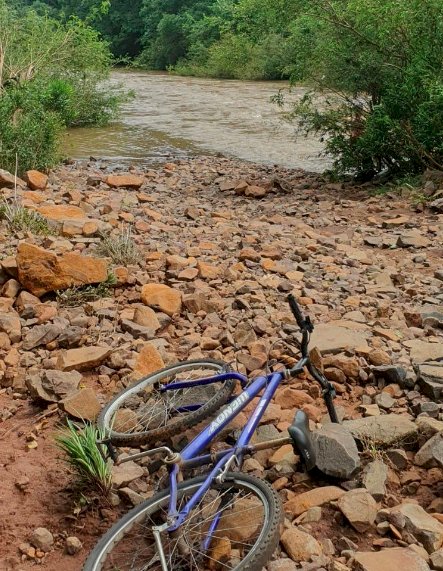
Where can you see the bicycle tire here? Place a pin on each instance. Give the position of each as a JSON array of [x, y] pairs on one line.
[[257, 558], [158, 434]]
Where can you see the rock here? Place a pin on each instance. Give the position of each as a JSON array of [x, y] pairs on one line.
[[255, 191], [130, 496], [73, 545], [42, 539], [422, 351], [336, 451], [146, 317], [243, 521], [41, 272], [390, 559], [437, 560], [162, 297], [359, 508], [137, 331], [148, 361], [36, 180], [60, 212], [10, 324], [10, 289], [41, 335], [391, 374], [421, 525], [124, 181], [316, 497], [379, 357], [385, 430], [413, 241], [300, 546], [398, 458], [431, 454], [82, 358], [374, 479], [384, 401], [282, 565], [125, 473], [430, 379], [53, 386], [83, 405], [8, 180], [330, 338], [289, 398]]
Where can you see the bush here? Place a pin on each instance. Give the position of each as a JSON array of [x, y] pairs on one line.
[[379, 66], [48, 85]]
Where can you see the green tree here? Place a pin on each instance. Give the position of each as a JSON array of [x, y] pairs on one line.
[[379, 67]]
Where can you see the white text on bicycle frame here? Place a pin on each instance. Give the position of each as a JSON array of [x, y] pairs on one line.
[[228, 411]]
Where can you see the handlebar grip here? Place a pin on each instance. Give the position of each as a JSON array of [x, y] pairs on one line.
[[296, 311]]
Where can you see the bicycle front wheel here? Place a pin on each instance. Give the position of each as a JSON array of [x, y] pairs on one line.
[[235, 527], [145, 413]]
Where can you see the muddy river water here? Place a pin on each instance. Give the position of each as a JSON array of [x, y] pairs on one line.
[[173, 116]]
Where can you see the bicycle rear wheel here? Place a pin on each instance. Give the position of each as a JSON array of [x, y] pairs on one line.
[[144, 413], [235, 527]]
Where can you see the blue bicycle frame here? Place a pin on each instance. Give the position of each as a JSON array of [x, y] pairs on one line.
[[189, 455]]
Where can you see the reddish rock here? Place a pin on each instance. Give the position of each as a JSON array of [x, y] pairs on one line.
[[36, 180], [315, 497], [124, 181], [83, 405], [40, 271], [59, 212], [148, 361], [162, 297]]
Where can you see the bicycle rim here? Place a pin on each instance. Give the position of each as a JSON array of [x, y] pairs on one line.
[[240, 518]]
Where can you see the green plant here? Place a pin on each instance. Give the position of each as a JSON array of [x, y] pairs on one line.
[[79, 443], [21, 219], [78, 295], [120, 248], [379, 68]]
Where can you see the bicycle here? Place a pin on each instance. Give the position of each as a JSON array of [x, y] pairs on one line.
[[224, 519]]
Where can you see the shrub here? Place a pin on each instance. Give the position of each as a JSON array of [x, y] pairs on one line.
[[379, 66], [21, 219], [78, 295], [121, 248], [83, 455]]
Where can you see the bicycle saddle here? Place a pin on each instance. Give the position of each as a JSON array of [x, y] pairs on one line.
[[301, 440]]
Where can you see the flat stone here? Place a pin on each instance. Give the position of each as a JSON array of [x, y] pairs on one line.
[[336, 451], [300, 546], [422, 351], [8, 180], [374, 479], [125, 473], [82, 358], [413, 241], [426, 529], [124, 181], [60, 212], [330, 338], [386, 429], [83, 405], [10, 324], [395, 559], [316, 497], [359, 508]]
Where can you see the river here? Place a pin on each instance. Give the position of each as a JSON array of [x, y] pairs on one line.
[[172, 117]]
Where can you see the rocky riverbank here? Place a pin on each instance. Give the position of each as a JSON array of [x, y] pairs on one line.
[[211, 248]]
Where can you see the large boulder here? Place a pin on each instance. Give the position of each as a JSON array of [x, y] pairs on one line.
[[422, 351], [40, 271]]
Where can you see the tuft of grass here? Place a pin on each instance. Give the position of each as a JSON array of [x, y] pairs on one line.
[[21, 219], [79, 443], [121, 248], [78, 295]]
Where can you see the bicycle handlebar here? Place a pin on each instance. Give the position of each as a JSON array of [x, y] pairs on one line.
[[296, 311]]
